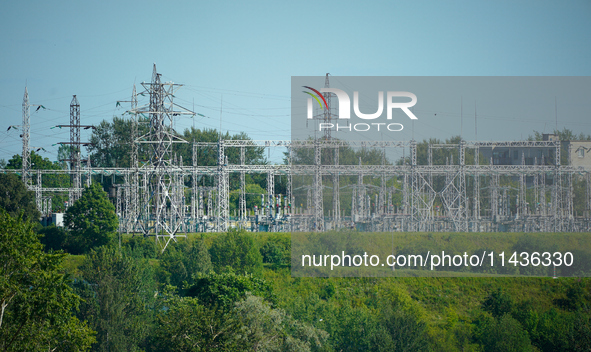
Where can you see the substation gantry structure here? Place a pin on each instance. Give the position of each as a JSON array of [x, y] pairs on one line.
[[164, 198]]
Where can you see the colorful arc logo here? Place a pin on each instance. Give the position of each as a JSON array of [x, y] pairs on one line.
[[315, 97]]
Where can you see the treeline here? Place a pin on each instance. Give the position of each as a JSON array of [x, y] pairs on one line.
[[234, 292], [111, 146]]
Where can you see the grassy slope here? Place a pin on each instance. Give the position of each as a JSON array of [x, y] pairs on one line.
[[440, 299]]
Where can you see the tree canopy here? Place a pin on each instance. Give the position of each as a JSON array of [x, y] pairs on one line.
[[236, 250], [16, 199], [564, 135], [37, 304], [37, 162], [118, 292], [183, 261], [91, 220], [111, 142]]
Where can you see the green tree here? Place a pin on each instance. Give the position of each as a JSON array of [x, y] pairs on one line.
[[355, 327], [249, 325], [225, 289], [186, 325], [208, 156], [277, 250], [53, 238], [36, 302], [15, 198], [184, 260], [118, 292], [564, 135], [64, 152], [91, 221], [37, 162], [271, 329], [237, 250], [405, 331], [253, 195], [141, 247], [498, 303], [110, 143], [503, 334]]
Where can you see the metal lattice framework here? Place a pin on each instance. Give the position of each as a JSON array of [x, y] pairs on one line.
[[164, 198], [162, 201], [75, 160], [26, 135], [499, 207]]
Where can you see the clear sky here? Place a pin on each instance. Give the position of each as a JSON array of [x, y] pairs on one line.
[[241, 55]]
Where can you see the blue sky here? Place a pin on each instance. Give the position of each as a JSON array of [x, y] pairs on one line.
[[248, 51]]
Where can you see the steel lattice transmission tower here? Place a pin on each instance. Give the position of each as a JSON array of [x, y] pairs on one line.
[[26, 133], [135, 181], [242, 201], [318, 194], [164, 218], [131, 185], [422, 195], [327, 111], [75, 159], [223, 189], [26, 155], [26, 175], [75, 162], [454, 193]]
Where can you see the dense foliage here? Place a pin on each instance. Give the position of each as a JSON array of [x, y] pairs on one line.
[[91, 221], [236, 250], [16, 199], [234, 291], [193, 298], [118, 294], [37, 162], [37, 304]]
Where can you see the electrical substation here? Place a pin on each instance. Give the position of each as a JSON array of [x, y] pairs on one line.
[[520, 186]]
